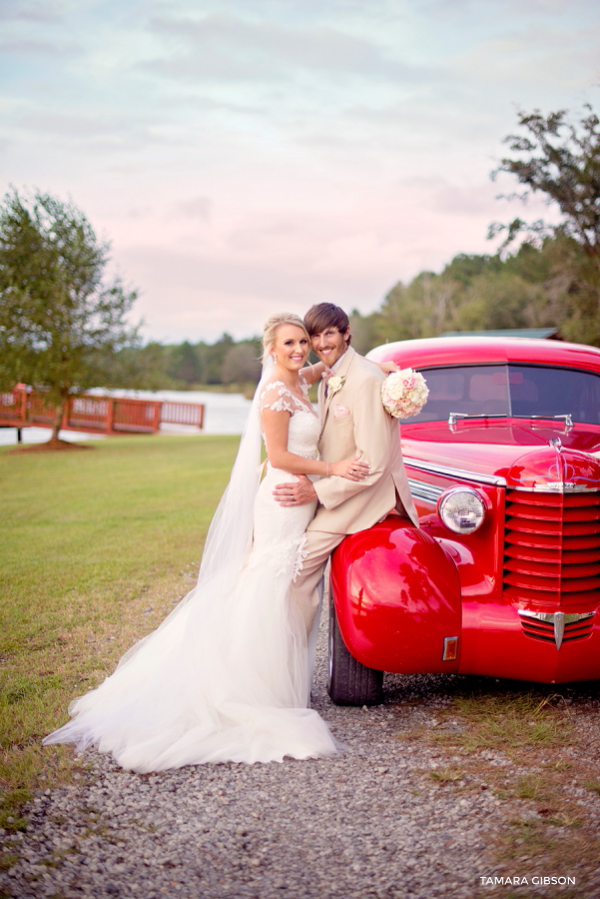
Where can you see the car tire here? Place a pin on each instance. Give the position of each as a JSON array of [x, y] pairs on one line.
[[350, 683]]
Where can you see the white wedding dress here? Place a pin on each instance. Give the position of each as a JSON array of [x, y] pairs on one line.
[[225, 676]]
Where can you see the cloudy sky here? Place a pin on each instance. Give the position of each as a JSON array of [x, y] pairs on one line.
[[249, 156]]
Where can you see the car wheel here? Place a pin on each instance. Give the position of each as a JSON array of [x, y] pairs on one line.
[[350, 683]]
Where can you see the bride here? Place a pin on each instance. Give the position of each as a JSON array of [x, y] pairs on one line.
[[225, 676]]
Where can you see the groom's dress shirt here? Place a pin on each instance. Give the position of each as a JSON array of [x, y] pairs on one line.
[[338, 362], [333, 369]]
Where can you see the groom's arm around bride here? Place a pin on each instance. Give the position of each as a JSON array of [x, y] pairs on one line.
[[353, 423]]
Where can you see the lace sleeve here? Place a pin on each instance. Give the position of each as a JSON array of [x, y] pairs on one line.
[[277, 397], [304, 385]]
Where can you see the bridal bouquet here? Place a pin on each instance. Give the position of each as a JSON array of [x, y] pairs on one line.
[[404, 393]]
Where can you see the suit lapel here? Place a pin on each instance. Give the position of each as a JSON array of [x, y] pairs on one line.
[[340, 373], [321, 397]]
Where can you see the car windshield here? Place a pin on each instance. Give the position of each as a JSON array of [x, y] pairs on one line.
[[512, 391]]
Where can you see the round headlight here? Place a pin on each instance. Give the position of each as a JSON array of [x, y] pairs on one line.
[[462, 510]]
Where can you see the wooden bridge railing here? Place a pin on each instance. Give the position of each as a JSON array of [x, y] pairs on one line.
[[22, 407]]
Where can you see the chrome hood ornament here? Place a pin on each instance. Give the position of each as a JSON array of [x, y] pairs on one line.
[[559, 628]]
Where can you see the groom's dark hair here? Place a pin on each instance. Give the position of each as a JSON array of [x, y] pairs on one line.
[[326, 315]]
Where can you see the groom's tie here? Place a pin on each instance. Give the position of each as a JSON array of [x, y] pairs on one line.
[[327, 374]]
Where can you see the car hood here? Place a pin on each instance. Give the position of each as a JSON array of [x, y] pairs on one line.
[[525, 454]]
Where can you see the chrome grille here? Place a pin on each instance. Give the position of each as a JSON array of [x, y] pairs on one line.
[[552, 550], [541, 629]]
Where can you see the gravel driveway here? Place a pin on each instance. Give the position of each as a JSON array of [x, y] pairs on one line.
[[371, 822]]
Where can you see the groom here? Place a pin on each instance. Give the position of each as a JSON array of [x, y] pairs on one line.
[[353, 423]]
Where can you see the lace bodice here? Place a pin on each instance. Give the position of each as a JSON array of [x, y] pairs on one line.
[[304, 426], [279, 532]]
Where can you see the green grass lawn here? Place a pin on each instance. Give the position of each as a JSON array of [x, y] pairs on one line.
[[96, 547]]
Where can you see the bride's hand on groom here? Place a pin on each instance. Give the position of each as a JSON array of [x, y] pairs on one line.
[[353, 469]]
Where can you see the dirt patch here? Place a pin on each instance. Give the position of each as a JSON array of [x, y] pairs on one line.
[[50, 446]]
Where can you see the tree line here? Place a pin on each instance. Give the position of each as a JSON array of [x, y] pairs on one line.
[[530, 288], [188, 365], [64, 325]]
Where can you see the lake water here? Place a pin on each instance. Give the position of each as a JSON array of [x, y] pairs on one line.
[[224, 413]]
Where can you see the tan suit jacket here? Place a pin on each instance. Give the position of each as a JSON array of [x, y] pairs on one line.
[[354, 423]]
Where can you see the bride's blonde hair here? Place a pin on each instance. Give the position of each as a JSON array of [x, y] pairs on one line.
[[275, 322]]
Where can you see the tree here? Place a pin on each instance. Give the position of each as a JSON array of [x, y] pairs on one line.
[[561, 161], [478, 293], [463, 268], [143, 367], [364, 330], [424, 308], [241, 364], [61, 322], [185, 364], [212, 357], [501, 299]]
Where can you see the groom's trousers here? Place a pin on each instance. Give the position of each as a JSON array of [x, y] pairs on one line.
[[305, 589]]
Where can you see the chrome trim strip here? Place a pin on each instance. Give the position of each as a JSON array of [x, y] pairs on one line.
[[497, 480], [548, 617], [434, 468], [427, 493], [558, 487]]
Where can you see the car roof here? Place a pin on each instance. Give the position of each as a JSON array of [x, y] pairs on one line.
[[441, 351]]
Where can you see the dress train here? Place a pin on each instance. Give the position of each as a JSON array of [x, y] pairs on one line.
[[224, 677]]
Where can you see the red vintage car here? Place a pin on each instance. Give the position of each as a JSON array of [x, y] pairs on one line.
[[503, 576]]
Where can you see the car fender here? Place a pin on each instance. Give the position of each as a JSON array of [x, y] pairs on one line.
[[397, 599]]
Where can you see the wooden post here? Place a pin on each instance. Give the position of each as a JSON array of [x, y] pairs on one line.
[[110, 415], [23, 413], [156, 419]]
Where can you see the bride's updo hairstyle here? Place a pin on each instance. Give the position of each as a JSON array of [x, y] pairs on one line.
[[273, 323]]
